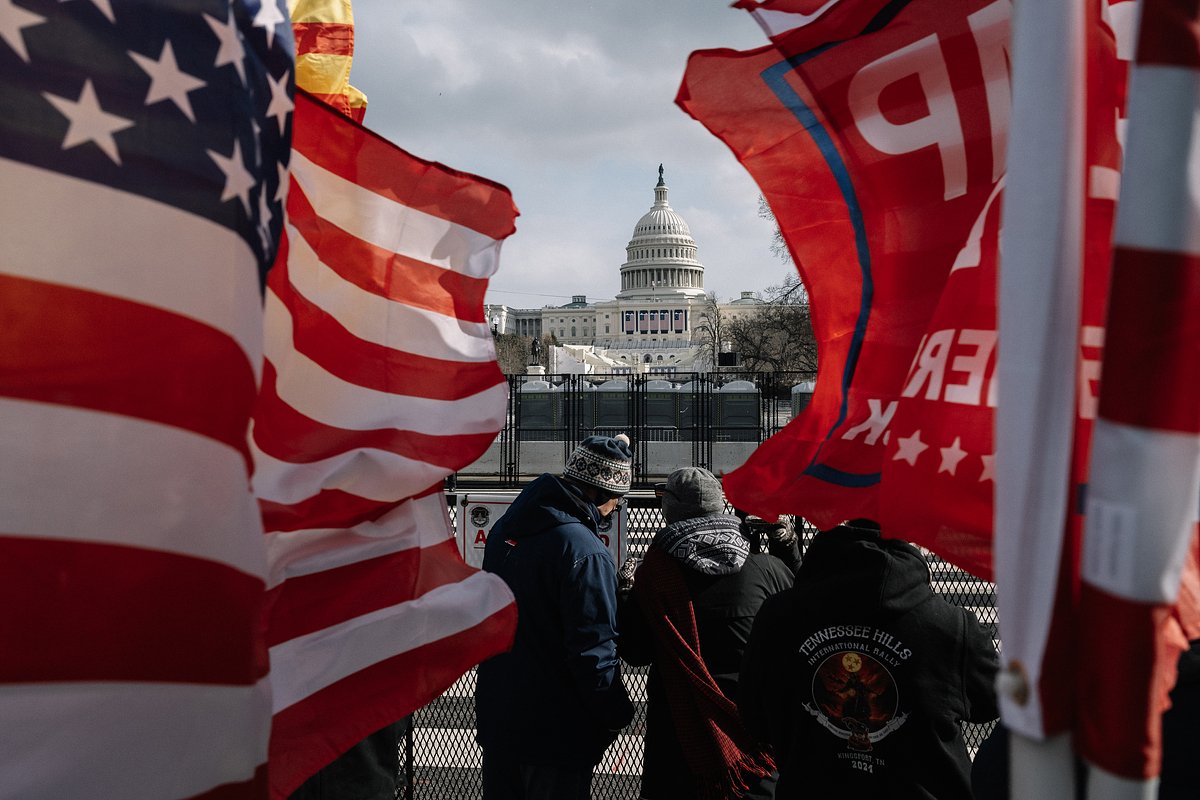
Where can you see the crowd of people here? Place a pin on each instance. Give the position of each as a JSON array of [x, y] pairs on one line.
[[772, 673], [841, 673]]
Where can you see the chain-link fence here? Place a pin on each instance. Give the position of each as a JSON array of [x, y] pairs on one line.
[[442, 762]]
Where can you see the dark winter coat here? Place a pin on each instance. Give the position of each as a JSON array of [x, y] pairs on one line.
[[725, 606], [557, 697], [1181, 731], [880, 672]]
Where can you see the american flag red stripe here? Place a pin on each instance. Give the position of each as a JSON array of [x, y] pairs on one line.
[[175, 639], [1167, 36], [297, 438], [329, 507], [322, 599], [295, 748], [372, 268], [52, 333], [1144, 495], [380, 380], [377, 366], [1157, 294]]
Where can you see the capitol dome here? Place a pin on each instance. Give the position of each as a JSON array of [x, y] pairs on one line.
[[661, 257]]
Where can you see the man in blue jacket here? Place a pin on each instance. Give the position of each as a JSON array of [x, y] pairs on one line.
[[547, 709]]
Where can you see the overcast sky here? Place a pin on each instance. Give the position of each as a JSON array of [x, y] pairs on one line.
[[571, 106]]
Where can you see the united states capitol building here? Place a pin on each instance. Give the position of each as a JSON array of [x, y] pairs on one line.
[[652, 325]]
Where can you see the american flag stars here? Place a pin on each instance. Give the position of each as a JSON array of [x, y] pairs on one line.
[[268, 17], [88, 122], [13, 20], [238, 180], [231, 50], [135, 96], [167, 81], [105, 7]]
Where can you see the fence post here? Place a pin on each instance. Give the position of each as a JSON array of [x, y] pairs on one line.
[[408, 791]]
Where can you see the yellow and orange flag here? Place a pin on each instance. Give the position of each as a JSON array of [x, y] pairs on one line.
[[324, 32]]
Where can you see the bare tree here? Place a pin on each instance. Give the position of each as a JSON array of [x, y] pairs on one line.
[[779, 247], [512, 352], [779, 337], [711, 329]]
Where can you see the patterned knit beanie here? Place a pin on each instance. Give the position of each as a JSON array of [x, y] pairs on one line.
[[604, 462]]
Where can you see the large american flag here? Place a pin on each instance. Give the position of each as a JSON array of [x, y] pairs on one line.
[[380, 380], [141, 150]]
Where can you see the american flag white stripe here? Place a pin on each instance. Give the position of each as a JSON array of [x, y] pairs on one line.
[[203, 255], [1144, 482], [382, 222], [1160, 209], [51, 491], [372, 474], [417, 522], [331, 654], [417, 616], [375, 319], [160, 740], [333, 401]]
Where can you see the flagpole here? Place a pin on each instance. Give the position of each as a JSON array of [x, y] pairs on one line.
[[1038, 314], [1103, 785], [1041, 769]]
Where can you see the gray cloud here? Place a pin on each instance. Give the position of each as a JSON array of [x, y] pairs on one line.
[[570, 105]]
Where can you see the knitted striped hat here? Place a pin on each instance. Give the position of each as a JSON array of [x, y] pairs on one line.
[[605, 462]]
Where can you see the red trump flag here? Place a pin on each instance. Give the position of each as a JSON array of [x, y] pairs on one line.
[[881, 154]]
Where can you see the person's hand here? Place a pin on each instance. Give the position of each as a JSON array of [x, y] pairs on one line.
[[784, 531], [625, 575]]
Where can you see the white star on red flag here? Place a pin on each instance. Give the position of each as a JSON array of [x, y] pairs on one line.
[[989, 468], [951, 456], [909, 448]]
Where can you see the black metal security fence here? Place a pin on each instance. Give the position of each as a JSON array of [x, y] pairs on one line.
[[675, 419], [440, 760]]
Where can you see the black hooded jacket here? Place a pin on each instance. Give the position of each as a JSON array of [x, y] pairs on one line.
[[861, 674], [557, 697]]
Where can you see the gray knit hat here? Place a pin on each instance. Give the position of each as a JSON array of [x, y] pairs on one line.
[[602, 461], [692, 492]]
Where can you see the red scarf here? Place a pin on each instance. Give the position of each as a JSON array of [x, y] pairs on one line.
[[715, 745]]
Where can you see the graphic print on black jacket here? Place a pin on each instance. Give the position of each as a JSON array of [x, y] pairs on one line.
[[860, 675]]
